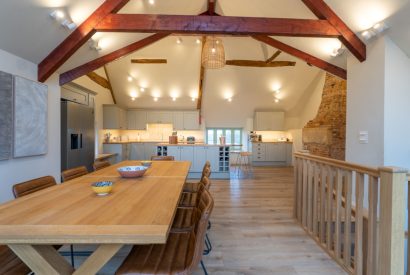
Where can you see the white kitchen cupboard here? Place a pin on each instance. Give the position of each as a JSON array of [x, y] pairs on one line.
[[159, 117], [150, 149], [137, 120], [269, 121], [181, 153], [275, 152], [203, 154], [191, 120], [272, 153], [137, 151], [258, 152], [122, 151], [178, 120], [175, 152], [114, 117]]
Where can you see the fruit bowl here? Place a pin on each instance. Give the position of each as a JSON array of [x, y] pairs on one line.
[[132, 171], [102, 188]]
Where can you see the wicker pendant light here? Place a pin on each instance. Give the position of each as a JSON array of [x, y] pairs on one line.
[[213, 53]]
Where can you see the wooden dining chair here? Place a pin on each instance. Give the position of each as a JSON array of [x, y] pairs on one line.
[[74, 173], [162, 158], [180, 255], [31, 186], [10, 264], [192, 187], [98, 165]]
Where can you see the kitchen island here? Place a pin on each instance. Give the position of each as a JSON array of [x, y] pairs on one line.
[[197, 154]]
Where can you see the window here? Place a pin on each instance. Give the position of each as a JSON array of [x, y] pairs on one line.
[[233, 136]]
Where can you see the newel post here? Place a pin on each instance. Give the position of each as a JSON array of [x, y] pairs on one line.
[[392, 220]]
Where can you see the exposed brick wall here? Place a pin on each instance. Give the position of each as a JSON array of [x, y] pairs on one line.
[[325, 135]]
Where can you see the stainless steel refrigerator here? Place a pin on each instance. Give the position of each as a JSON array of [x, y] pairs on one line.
[[77, 135]]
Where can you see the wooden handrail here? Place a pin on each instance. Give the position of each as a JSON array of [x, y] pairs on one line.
[[341, 164]]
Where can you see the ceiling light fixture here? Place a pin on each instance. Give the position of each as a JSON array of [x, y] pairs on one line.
[[130, 78], [376, 29], [213, 55], [277, 91], [276, 100], [94, 45], [142, 89], [174, 99], [179, 40], [337, 52], [152, 2], [198, 41], [193, 98], [133, 98], [57, 14], [155, 99], [69, 25], [230, 99]]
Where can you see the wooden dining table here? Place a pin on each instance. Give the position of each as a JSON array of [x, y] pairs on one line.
[[138, 211]]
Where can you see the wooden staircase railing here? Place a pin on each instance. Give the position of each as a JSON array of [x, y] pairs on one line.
[[355, 213]]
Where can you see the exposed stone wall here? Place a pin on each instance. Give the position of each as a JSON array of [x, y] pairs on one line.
[[325, 135]]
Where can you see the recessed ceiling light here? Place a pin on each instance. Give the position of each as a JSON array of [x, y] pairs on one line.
[[179, 40], [230, 99], [129, 78], [133, 98], [174, 99], [213, 50], [142, 89], [155, 99], [193, 99], [152, 2], [276, 100], [198, 41]]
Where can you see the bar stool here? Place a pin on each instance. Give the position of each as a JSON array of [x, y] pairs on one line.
[[244, 162]]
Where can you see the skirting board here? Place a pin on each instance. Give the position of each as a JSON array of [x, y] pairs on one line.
[[6, 115]]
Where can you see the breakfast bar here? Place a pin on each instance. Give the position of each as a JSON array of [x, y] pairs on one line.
[[138, 211]]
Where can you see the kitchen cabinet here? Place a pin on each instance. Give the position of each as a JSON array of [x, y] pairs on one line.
[[159, 117], [137, 120], [258, 152], [122, 151], [174, 151], [275, 152], [178, 120], [137, 151], [114, 117], [272, 153], [181, 153], [269, 121], [191, 120], [150, 149]]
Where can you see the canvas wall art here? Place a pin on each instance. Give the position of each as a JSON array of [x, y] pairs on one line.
[[6, 115], [30, 118]]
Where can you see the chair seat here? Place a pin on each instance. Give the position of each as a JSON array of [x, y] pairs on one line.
[[174, 257], [188, 200], [10, 264], [184, 220]]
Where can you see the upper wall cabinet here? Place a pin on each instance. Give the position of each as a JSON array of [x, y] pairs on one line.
[[269, 121], [160, 117], [78, 94], [191, 120], [114, 117], [137, 120]]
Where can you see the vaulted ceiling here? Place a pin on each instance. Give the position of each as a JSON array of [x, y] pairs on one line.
[[28, 31]]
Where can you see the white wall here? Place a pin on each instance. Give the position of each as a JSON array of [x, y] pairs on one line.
[[18, 170], [365, 106], [396, 107]]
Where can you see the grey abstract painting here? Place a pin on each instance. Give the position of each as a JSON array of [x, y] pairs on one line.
[[6, 114], [30, 118]]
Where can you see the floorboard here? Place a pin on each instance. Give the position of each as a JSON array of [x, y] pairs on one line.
[[253, 231]]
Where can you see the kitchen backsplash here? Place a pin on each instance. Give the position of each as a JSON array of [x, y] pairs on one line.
[[154, 132]]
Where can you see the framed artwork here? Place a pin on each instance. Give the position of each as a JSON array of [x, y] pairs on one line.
[[6, 115], [30, 118]]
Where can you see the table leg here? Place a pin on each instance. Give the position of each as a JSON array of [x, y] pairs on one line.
[[42, 259], [98, 259]]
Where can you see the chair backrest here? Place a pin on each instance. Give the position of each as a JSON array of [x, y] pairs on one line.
[[204, 210], [206, 172], [163, 158], [206, 182], [31, 186], [74, 173], [98, 165]]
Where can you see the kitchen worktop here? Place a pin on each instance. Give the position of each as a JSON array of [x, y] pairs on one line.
[[272, 141], [132, 141], [194, 144]]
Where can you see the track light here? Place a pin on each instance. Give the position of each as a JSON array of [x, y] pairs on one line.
[[179, 40], [193, 98], [151, 2], [69, 25], [130, 78], [276, 100], [155, 99], [174, 99], [375, 30], [57, 15], [198, 41]]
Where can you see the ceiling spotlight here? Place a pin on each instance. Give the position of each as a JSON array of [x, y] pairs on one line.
[[379, 27], [142, 89], [57, 14], [367, 34], [337, 52], [69, 25], [276, 100], [230, 99], [193, 98], [179, 40], [213, 50], [133, 98], [198, 41], [94, 45], [155, 99], [129, 78], [277, 91], [174, 99], [152, 2]]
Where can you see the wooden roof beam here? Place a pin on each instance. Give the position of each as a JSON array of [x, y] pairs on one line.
[[76, 39], [103, 60], [347, 36], [211, 7], [99, 80], [204, 24], [310, 59]]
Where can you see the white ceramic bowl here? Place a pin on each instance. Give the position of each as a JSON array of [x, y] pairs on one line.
[[132, 171]]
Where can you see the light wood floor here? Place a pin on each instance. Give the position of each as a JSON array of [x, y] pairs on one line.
[[253, 231]]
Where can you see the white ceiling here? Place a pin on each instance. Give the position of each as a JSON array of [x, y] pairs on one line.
[[28, 31]]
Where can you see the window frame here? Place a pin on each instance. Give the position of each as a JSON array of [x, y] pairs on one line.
[[224, 129]]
